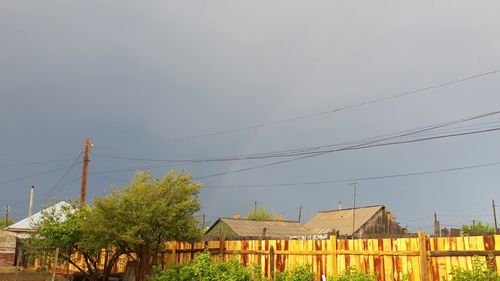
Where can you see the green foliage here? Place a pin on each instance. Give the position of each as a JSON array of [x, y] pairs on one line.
[[260, 214], [64, 228], [204, 268], [352, 274], [147, 213], [2, 223], [136, 220], [299, 273], [479, 272], [478, 228]]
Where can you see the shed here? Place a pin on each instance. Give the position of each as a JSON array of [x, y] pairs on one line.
[[370, 221], [234, 229]]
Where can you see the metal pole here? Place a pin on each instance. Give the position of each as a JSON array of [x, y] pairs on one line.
[[354, 210], [495, 216], [6, 216], [32, 195]]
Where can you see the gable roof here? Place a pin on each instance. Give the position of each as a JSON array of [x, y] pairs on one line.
[[27, 224], [341, 220], [254, 228]]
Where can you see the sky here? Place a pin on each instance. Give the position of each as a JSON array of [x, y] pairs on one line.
[[140, 79]]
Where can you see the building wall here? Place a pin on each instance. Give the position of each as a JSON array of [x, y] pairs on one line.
[[7, 248], [382, 224], [213, 234]]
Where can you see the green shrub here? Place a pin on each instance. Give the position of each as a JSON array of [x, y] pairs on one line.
[[352, 274], [203, 268], [299, 273], [479, 272]]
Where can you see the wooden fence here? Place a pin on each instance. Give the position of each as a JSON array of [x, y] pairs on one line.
[[391, 259]]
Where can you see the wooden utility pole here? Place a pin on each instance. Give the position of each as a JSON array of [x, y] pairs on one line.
[[84, 172], [300, 212], [495, 216]]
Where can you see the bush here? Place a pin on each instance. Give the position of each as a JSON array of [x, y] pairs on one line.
[[352, 274], [299, 273], [203, 268], [479, 272]]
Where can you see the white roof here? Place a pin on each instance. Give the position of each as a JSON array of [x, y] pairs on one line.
[[27, 224]]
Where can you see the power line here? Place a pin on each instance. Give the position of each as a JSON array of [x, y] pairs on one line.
[[65, 173], [355, 179], [360, 146], [3, 166], [32, 176], [342, 108], [315, 149]]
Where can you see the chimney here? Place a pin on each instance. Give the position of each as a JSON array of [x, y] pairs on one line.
[[340, 205], [237, 216], [279, 218]]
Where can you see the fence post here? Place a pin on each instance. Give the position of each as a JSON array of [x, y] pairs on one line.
[[271, 262], [424, 265], [54, 265], [174, 252], [333, 245]]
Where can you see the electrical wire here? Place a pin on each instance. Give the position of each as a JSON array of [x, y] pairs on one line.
[[65, 173], [342, 108], [3, 166], [33, 175], [361, 146], [356, 179], [311, 150]]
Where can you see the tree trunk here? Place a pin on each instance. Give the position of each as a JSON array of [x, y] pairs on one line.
[[144, 267]]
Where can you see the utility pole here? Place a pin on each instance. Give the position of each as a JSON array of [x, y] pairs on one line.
[[354, 209], [255, 207], [437, 227], [300, 212], [6, 216], [84, 172], [203, 222], [32, 195], [495, 216]]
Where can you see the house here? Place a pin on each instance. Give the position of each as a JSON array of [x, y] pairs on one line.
[[372, 221], [237, 228], [25, 227]]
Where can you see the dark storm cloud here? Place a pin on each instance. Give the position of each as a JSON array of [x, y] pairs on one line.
[[132, 76]]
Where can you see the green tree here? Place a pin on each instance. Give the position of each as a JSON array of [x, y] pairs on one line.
[[63, 228], [260, 214], [477, 228], [2, 223], [147, 213]]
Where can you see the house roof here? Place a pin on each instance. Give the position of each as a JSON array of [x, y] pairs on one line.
[[28, 224], [254, 228], [341, 220]]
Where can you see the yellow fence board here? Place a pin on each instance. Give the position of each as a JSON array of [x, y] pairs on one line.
[[390, 259]]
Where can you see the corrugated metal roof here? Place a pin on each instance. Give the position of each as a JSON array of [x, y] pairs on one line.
[[341, 220], [28, 223], [275, 229]]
